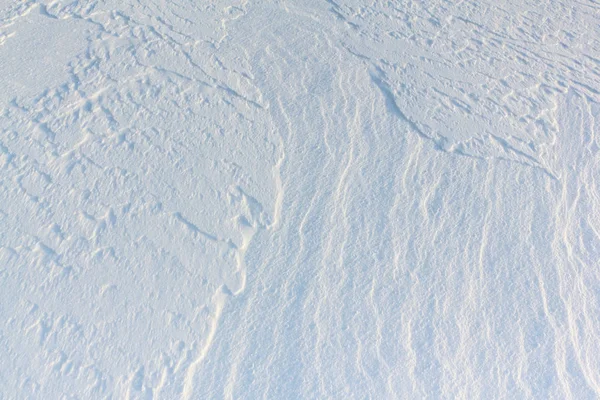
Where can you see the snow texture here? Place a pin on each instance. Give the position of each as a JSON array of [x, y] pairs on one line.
[[309, 199]]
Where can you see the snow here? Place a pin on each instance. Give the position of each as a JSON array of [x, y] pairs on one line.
[[299, 199]]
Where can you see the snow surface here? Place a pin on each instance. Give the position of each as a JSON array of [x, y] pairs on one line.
[[307, 199]]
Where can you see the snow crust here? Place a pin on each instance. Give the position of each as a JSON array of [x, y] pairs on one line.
[[305, 199]]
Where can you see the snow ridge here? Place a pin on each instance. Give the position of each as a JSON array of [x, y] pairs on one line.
[[307, 199]]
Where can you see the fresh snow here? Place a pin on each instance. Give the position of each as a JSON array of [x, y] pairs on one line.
[[308, 199]]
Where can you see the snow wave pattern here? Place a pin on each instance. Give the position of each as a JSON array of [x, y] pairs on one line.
[[309, 199]]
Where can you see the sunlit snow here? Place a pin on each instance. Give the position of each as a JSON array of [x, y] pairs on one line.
[[309, 199]]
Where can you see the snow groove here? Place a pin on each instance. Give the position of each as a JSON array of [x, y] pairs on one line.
[[307, 199]]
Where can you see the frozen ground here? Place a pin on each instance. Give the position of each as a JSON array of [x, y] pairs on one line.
[[309, 199]]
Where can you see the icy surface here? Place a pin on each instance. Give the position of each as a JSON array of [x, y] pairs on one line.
[[305, 199]]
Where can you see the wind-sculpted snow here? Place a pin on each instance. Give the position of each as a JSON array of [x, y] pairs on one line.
[[311, 199], [133, 176], [490, 72]]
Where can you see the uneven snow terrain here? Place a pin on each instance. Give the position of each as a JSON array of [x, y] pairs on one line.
[[309, 199]]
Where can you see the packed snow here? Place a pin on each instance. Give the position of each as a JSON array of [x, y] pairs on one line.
[[299, 199]]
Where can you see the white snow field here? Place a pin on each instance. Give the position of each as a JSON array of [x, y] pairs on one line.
[[299, 199]]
